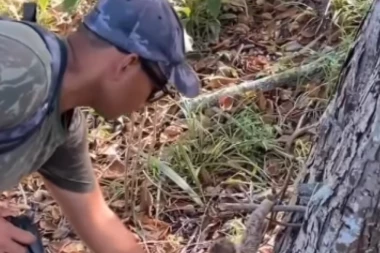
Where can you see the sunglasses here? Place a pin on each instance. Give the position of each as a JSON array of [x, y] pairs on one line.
[[158, 79]]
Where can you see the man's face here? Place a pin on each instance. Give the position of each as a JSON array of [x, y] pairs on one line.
[[125, 88]]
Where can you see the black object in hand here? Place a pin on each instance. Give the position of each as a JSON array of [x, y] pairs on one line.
[[26, 223]]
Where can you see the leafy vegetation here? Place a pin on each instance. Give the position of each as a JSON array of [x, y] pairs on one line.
[[200, 17], [222, 144]]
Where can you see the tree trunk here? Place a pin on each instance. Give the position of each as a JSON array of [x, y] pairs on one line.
[[343, 214]]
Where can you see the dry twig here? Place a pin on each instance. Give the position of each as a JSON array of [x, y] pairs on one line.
[[286, 78], [255, 227], [254, 232], [243, 207]]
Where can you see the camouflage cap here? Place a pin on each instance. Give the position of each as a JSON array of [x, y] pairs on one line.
[[151, 29]]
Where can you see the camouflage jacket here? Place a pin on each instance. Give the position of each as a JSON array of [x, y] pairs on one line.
[[58, 150]]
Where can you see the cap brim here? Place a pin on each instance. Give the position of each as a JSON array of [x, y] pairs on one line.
[[185, 80]]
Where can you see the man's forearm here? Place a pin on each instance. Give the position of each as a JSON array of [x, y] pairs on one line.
[[96, 224], [110, 235]]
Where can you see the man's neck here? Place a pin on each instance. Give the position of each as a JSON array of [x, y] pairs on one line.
[[74, 91]]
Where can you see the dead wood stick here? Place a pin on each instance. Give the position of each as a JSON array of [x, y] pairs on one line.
[[287, 78], [250, 207], [285, 224], [296, 134], [255, 228]]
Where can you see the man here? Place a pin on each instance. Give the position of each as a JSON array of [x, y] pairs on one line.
[[124, 54]]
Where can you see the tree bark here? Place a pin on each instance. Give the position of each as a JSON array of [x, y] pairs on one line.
[[343, 214]]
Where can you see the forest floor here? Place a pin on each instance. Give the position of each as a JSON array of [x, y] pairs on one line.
[[188, 170]]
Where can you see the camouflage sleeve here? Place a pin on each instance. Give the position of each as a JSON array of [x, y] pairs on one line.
[[70, 166], [24, 68]]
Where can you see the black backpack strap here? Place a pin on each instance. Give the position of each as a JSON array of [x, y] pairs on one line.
[[13, 137], [29, 12]]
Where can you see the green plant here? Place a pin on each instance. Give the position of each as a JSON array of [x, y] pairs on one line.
[[346, 16], [200, 18], [228, 146], [68, 5]]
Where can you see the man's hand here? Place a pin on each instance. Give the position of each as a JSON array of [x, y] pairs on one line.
[[94, 222], [13, 238]]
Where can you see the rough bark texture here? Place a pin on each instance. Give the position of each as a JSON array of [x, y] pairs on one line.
[[343, 214]]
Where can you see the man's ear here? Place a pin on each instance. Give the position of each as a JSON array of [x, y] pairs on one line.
[[121, 65], [127, 61]]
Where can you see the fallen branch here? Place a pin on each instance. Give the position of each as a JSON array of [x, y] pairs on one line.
[[287, 78], [298, 133], [255, 226], [285, 224], [223, 246], [250, 207]]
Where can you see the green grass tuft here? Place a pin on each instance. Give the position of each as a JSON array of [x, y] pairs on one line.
[[229, 146]]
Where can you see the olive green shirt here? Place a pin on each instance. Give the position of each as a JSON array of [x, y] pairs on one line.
[[58, 149]]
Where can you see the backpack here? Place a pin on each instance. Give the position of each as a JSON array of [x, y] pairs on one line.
[[13, 137]]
